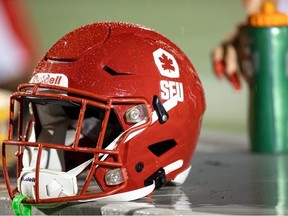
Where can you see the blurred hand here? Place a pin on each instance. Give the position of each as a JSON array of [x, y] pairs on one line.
[[231, 57], [225, 61]]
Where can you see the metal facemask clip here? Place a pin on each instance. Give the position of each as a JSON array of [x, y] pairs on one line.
[[136, 114]]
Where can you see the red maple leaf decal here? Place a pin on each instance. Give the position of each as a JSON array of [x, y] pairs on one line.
[[167, 64]]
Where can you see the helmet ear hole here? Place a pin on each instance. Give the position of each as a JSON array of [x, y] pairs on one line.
[[160, 148]]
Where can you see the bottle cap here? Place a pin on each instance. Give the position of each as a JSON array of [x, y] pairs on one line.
[[268, 16]]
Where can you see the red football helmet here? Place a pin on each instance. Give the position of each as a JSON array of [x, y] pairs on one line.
[[115, 112]]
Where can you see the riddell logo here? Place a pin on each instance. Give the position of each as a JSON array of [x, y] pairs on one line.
[[29, 179], [46, 79], [50, 79]]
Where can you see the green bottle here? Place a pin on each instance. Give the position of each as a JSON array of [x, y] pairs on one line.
[[268, 85]]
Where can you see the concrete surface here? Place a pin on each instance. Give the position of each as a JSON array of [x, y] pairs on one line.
[[226, 179]]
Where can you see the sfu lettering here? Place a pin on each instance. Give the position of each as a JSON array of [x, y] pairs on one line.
[[170, 89]]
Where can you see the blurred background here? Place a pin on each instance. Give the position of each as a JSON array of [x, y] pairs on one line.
[[195, 26]]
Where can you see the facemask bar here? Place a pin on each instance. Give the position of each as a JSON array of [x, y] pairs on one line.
[[44, 91]]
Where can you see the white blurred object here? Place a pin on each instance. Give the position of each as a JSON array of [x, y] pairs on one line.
[[17, 41]]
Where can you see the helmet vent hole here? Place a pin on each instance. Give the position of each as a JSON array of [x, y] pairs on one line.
[[59, 60], [160, 148], [113, 72]]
